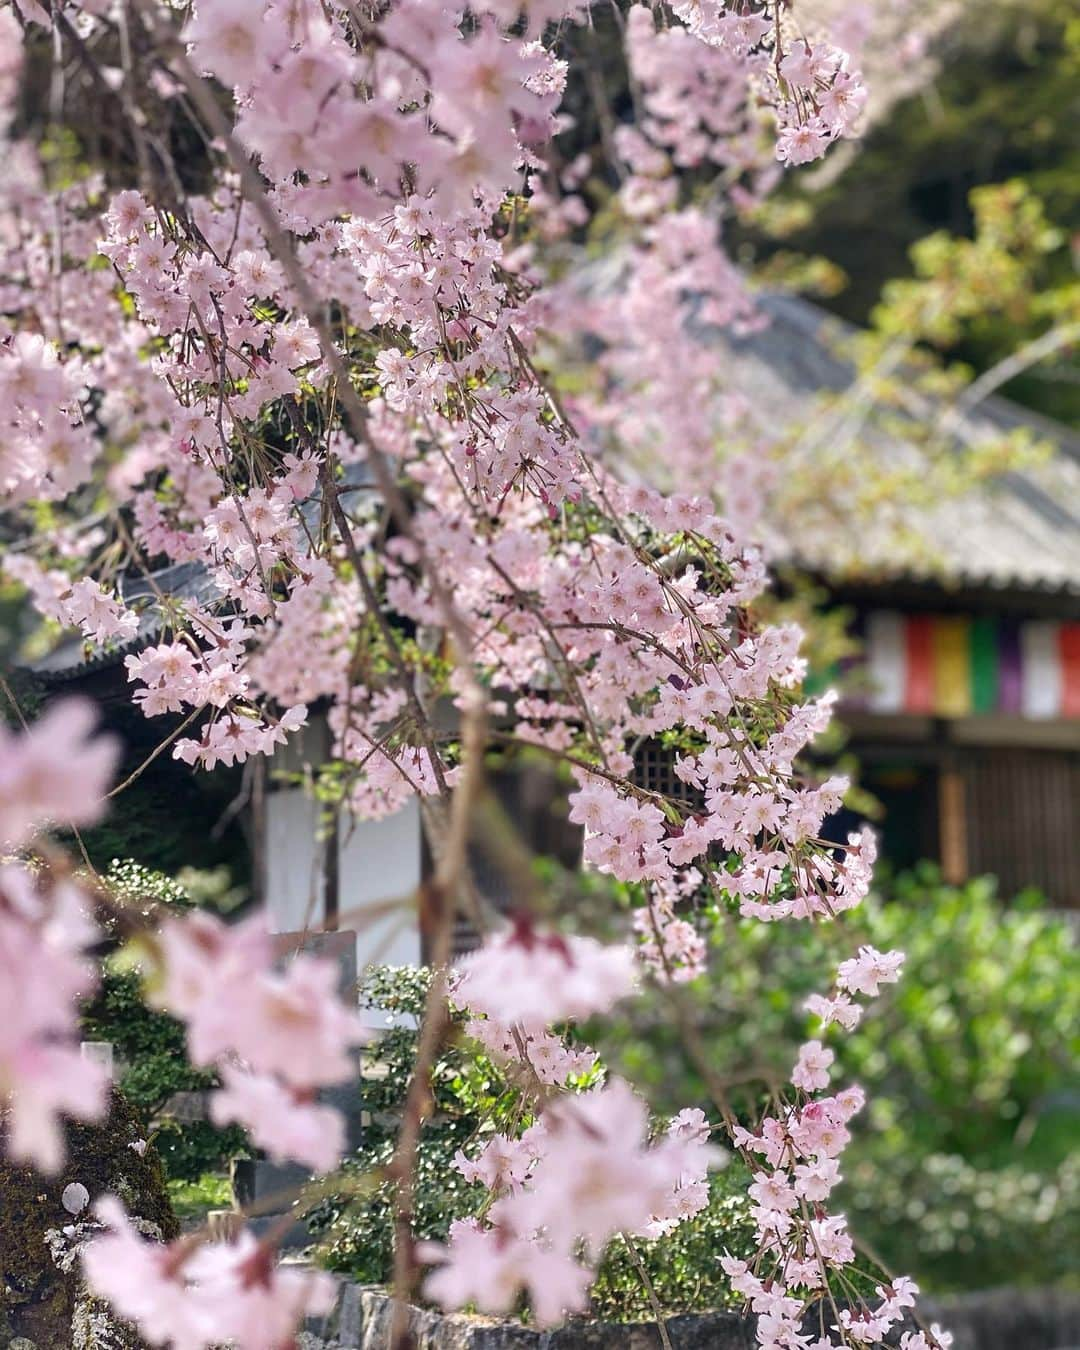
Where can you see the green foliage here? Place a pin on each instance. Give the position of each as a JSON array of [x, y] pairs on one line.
[[191, 1148], [150, 1051], [193, 1200], [683, 1267], [358, 1235], [980, 1040], [143, 889], [469, 1100], [974, 1070], [211, 888], [166, 820], [1006, 293], [992, 303], [1004, 107], [960, 282], [468, 1097], [960, 1169], [149, 1046]]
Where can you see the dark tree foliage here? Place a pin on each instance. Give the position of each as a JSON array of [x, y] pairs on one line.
[[1005, 105]]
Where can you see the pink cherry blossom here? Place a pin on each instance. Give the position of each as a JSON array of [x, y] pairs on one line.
[[257, 1304], [812, 1070], [190, 1295], [281, 1120], [144, 1281], [867, 972], [592, 1172], [56, 772], [44, 931], [481, 1268], [397, 513], [535, 977]]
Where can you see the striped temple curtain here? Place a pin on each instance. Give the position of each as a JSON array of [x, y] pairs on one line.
[[956, 666]]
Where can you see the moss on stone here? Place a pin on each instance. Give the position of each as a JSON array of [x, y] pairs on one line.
[[37, 1300]]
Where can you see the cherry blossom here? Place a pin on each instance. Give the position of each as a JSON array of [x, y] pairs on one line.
[[54, 771], [812, 1070], [57, 771], [287, 1027], [397, 512], [144, 1281], [283, 1121], [190, 1295], [590, 1173], [474, 1269], [534, 977], [867, 972]]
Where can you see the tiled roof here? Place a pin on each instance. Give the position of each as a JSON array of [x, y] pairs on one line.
[[1019, 531], [182, 581], [73, 655]]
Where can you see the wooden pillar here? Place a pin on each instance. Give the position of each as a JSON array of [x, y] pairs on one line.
[[257, 766], [952, 819], [332, 875]]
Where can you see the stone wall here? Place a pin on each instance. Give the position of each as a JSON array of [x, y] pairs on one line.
[[999, 1320]]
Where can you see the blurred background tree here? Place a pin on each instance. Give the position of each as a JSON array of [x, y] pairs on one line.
[[1000, 109]]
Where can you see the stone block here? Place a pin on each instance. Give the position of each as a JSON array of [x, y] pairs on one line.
[[1004, 1319], [256, 1182]]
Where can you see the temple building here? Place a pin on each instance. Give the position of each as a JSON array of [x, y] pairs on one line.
[[965, 714]]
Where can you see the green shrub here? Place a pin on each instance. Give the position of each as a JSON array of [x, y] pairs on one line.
[[168, 818], [193, 1200], [959, 1169], [683, 1268], [470, 1100], [149, 1046], [467, 1093], [974, 1075]]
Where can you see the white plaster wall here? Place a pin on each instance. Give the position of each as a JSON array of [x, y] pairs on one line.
[[378, 874], [294, 888], [379, 864]]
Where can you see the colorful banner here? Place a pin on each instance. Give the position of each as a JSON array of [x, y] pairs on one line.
[[954, 666]]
